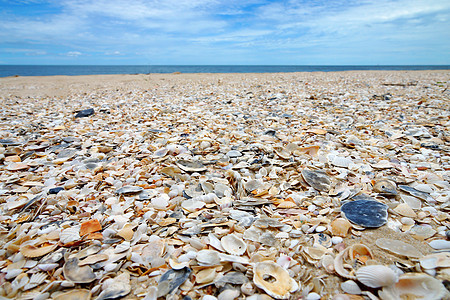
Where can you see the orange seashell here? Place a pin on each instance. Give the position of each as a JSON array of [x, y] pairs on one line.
[[90, 226], [13, 158], [126, 232], [17, 166], [340, 227], [287, 204], [95, 236], [360, 252], [33, 251]]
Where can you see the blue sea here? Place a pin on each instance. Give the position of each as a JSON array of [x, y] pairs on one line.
[[71, 70]]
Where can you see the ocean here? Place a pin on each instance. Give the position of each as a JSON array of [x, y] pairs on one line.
[[71, 70]]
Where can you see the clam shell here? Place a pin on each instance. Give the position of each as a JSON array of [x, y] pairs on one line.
[[436, 260], [415, 286], [76, 274], [208, 257], [205, 275], [274, 280], [376, 276], [340, 227], [233, 245], [28, 250]]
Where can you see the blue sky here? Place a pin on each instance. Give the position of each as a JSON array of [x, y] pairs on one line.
[[158, 32]]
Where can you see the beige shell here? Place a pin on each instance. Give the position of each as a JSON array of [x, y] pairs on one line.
[[398, 247], [351, 287], [233, 245], [33, 251], [208, 257], [340, 227], [205, 275], [376, 276], [358, 251], [73, 272], [274, 280], [339, 264], [77, 294], [415, 286], [436, 260]]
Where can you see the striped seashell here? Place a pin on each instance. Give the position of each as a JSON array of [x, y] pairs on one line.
[[376, 276]]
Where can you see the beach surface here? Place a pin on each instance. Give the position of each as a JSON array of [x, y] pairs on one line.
[[229, 185]]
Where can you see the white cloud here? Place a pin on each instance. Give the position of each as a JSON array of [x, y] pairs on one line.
[[73, 53]]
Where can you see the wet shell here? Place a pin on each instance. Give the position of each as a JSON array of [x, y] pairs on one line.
[[233, 245], [415, 286], [76, 294], [274, 280], [376, 276], [33, 251]]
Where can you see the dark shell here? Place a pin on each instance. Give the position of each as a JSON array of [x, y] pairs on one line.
[[85, 113], [191, 166], [171, 280], [366, 213], [414, 192], [55, 190], [233, 278], [317, 179], [129, 190]]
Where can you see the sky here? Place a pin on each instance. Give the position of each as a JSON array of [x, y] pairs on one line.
[[225, 32]]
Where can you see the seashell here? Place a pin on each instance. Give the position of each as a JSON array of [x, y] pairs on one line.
[[47, 267], [376, 276], [385, 187], [118, 287], [69, 235], [233, 258], [171, 280], [77, 274], [126, 232], [340, 227], [192, 205], [215, 242], [233, 245], [347, 297], [415, 286], [208, 257], [231, 277], [128, 190], [436, 260], [366, 213], [315, 253], [205, 275], [282, 152], [398, 247], [29, 250], [230, 294], [190, 166], [35, 280], [342, 162], [327, 263], [75, 294], [90, 226], [360, 252], [339, 264], [161, 152], [416, 193], [405, 210], [252, 185], [274, 280], [310, 150], [17, 166], [317, 179], [93, 259], [351, 287], [440, 244]]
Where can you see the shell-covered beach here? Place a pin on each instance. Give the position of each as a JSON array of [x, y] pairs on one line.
[[226, 186]]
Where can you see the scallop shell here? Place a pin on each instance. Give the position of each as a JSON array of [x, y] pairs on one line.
[[415, 286], [28, 250], [233, 245], [376, 276], [274, 280], [351, 287], [69, 235]]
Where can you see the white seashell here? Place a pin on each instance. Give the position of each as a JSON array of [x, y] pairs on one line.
[[70, 234], [351, 287], [415, 285], [208, 198], [208, 257], [233, 245], [215, 242], [376, 276], [233, 258], [192, 205], [13, 273], [35, 280], [440, 244], [229, 294], [160, 202], [284, 261], [342, 162], [313, 296], [122, 247], [47, 267]]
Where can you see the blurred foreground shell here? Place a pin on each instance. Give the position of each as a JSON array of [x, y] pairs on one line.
[[274, 280], [415, 286], [28, 250], [376, 276]]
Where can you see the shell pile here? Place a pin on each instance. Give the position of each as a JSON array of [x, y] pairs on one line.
[[226, 186]]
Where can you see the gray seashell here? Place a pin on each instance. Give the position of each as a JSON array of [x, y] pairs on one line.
[[440, 244], [317, 179], [231, 277], [119, 287], [129, 189], [76, 274], [366, 213], [376, 276], [171, 280], [190, 166]]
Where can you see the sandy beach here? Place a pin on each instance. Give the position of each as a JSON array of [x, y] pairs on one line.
[[227, 186]]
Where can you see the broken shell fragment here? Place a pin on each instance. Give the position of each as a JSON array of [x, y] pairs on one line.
[[28, 250], [90, 226], [171, 280], [233, 245], [317, 179], [376, 276], [191, 166], [73, 272], [76, 294], [385, 187], [274, 280], [366, 213], [118, 287], [398, 247]]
